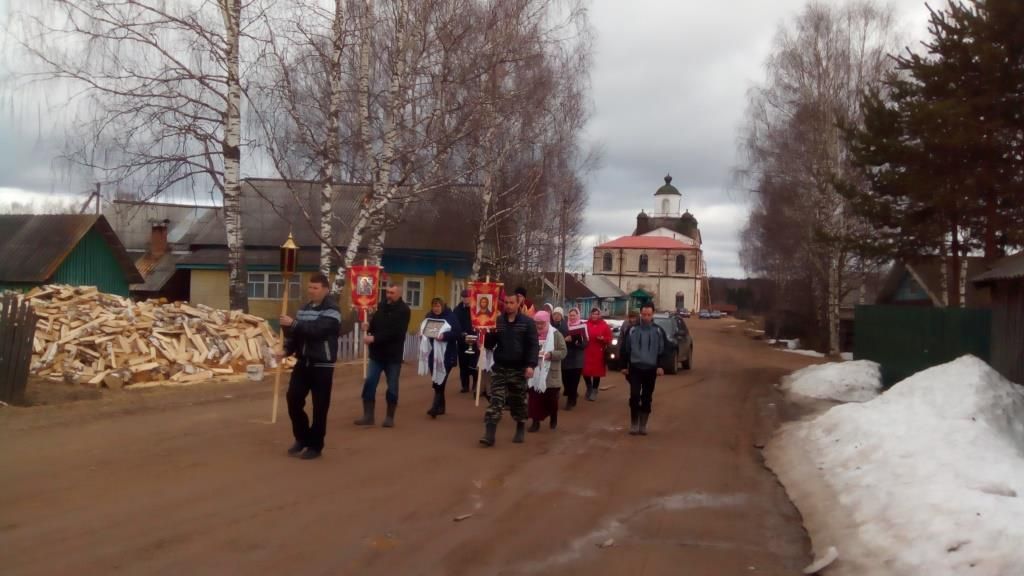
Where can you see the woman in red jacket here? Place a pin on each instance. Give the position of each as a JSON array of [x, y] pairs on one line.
[[600, 336]]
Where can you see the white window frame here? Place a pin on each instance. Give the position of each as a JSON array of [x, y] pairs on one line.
[[405, 292], [264, 281], [458, 285]]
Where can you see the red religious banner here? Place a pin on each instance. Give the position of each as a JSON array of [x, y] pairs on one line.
[[364, 282], [487, 304]]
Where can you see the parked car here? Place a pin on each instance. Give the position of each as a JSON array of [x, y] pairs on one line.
[[679, 344], [704, 314], [715, 314], [684, 313], [611, 352]]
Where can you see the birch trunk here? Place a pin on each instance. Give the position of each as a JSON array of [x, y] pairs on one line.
[[944, 275], [963, 281], [237, 281], [332, 161], [833, 306]]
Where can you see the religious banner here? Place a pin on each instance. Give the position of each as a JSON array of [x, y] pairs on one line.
[[365, 286], [487, 304]]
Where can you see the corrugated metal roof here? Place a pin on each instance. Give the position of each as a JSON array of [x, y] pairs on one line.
[[1006, 268], [156, 271], [33, 246], [602, 286], [574, 289], [273, 208]]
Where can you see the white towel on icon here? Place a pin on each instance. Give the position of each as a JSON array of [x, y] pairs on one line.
[[539, 382], [437, 372]]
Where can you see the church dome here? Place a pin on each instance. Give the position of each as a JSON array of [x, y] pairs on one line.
[[668, 189], [689, 218], [642, 216]]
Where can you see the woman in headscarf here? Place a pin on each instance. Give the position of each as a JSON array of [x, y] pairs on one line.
[[593, 357], [575, 332], [438, 351], [544, 388]]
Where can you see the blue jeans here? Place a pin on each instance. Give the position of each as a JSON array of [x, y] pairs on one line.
[[373, 371]]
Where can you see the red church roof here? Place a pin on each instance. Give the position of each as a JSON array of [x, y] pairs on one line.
[[648, 242]]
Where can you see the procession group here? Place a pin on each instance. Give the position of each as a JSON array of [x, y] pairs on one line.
[[534, 357]]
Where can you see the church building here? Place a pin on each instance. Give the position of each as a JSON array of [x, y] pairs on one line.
[[662, 260]]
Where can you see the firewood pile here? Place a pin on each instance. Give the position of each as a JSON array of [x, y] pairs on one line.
[[85, 336]]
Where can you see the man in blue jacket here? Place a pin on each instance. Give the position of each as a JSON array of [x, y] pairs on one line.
[[643, 354], [312, 337]]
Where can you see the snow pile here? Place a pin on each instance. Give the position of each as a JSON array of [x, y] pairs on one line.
[[928, 478], [811, 353], [858, 381]]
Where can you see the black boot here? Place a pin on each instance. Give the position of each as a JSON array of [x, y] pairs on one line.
[[389, 420], [367, 419], [568, 404], [634, 421], [535, 427], [489, 429], [643, 423], [520, 433], [435, 408], [554, 420], [440, 403], [296, 448]]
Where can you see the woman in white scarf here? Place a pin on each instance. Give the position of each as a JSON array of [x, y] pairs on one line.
[[546, 385], [438, 353]]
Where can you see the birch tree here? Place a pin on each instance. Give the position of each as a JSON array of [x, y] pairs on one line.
[[157, 95]]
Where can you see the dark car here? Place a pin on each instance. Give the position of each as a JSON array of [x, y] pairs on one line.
[[611, 352], [679, 344]]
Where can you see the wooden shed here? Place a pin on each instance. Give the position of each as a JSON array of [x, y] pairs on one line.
[[1005, 283]]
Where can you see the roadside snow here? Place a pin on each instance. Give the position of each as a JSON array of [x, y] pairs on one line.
[[846, 355], [811, 353], [858, 381], [927, 478]]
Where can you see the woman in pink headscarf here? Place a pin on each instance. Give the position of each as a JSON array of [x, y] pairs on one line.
[[546, 385]]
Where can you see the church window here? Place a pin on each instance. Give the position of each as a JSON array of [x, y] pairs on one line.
[[680, 264], [643, 262], [606, 264], [664, 206]]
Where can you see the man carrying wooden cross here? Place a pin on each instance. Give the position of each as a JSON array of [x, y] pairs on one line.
[[312, 336]]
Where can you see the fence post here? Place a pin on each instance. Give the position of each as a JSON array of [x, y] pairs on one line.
[[17, 328]]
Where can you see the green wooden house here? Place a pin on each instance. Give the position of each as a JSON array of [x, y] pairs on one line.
[[80, 250]]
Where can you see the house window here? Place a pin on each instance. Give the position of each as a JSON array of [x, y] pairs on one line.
[[643, 262], [606, 264], [270, 285], [680, 264], [414, 292], [456, 296]]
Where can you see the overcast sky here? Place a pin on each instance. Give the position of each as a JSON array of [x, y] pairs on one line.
[[670, 79]]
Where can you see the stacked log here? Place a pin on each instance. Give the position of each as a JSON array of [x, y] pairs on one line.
[[85, 336]]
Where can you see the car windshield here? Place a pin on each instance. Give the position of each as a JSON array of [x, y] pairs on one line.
[[666, 324]]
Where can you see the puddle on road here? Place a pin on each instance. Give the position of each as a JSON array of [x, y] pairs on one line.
[[616, 527]]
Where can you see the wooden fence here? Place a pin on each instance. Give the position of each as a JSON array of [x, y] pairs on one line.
[[17, 328], [350, 346]]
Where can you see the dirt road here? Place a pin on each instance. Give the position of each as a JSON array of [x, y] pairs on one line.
[[196, 482]]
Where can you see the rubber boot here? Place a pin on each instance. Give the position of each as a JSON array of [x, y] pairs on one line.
[[489, 429], [643, 423], [593, 395], [634, 421], [389, 420], [535, 427], [568, 404], [520, 433], [435, 407], [554, 420], [367, 419]]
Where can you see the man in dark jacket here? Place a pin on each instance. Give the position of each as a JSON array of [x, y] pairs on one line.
[[467, 362], [516, 353], [386, 338], [643, 355], [312, 337]]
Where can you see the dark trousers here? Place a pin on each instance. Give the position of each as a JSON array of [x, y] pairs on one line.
[[467, 368], [316, 381], [593, 382], [641, 388], [571, 382], [440, 387], [508, 387], [374, 369]]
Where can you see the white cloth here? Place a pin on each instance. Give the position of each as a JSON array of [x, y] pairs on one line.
[[437, 372], [539, 382]]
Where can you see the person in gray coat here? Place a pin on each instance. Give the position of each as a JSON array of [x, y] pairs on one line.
[[643, 355], [575, 334]]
